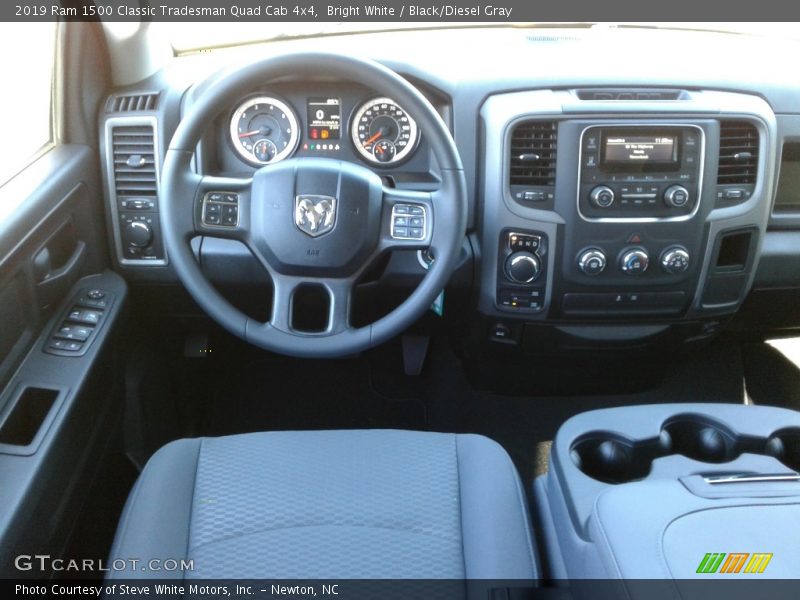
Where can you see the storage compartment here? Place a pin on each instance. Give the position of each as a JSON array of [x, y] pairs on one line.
[[734, 250], [27, 415]]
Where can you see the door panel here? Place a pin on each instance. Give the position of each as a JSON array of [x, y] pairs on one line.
[[57, 412], [53, 238]]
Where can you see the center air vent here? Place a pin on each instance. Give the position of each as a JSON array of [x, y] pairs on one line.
[[738, 153], [533, 153], [133, 154], [132, 103]]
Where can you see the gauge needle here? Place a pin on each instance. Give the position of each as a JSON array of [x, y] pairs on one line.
[[374, 137], [249, 133]]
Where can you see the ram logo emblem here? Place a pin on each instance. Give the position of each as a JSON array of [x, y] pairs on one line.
[[314, 215]]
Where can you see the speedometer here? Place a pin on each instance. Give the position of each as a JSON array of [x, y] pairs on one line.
[[383, 133], [264, 130]]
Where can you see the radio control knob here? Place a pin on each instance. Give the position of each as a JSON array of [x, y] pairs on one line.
[[523, 267], [676, 196], [674, 260], [138, 234], [592, 261], [602, 196], [634, 261]]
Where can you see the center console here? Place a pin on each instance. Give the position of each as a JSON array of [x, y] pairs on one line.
[[637, 212], [673, 492]]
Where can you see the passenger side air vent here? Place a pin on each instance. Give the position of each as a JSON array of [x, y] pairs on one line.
[[133, 154], [738, 162], [640, 94], [132, 103], [738, 153]]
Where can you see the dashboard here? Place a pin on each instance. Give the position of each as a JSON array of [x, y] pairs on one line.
[[610, 201]]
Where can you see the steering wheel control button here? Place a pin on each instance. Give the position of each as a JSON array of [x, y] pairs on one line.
[[523, 242], [675, 260], [602, 196], [523, 267], [408, 222], [592, 261], [221, 209], [634, 261], [676, 196]]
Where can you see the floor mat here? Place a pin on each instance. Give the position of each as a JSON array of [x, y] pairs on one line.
[[279, 393]]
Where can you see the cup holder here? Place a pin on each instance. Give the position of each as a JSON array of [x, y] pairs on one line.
[[702, 440], [785, 446], [613, 458]]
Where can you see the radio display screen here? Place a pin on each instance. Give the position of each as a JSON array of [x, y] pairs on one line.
[[643, 148]]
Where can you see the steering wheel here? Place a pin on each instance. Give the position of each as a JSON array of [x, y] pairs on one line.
[[310, 221]]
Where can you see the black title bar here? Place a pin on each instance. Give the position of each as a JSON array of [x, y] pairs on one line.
[[427, 11]]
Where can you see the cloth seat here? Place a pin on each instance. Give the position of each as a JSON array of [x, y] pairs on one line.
[[349, 504]]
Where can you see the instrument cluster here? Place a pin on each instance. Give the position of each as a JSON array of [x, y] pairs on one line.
[[266, 128]]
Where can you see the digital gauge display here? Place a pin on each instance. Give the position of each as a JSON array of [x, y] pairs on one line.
[[324, 118]]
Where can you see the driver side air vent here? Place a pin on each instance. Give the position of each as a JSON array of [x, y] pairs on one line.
[[133, 155], [533, 153], [738, 153], [132, 103]]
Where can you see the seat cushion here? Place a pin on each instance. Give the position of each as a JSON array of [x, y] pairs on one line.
[[330, 504]]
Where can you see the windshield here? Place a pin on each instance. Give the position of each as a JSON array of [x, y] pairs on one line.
[[203, 36]]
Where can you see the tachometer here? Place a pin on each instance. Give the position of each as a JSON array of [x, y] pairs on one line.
[[264, 130], [383, 133]]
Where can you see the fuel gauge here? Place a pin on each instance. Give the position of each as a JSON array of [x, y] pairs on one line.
[[384, 151], [264, 150]]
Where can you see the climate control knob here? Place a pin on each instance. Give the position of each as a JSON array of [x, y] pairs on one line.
[[592, 261], [602, 196], [523, 267], [138, 234], [634, 261], [676, 196], [674, 260]]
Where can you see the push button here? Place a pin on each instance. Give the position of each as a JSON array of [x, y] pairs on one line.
[[221, 209], [74, 332], [86, 317], [408, 222], [65, 345]]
